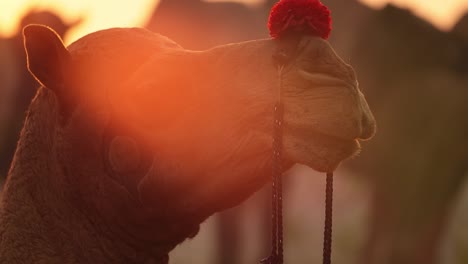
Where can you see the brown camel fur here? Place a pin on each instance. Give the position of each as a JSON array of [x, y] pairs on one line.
[[132, 141]]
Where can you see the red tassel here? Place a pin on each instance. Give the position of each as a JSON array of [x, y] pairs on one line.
[[299, 17]]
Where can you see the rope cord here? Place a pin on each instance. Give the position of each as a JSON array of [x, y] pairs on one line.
[[278, 186], [277, 169], [276, 256], [327, 234]]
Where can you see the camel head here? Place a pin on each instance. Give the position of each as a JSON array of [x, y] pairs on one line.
[[155, 138]]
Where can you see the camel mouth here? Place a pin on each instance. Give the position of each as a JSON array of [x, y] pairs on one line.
[[319, 151]]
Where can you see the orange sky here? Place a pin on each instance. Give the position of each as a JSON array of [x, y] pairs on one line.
[[98, 15]]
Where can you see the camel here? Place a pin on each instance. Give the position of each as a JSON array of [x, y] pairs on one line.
[[131, 141], [181, 20]]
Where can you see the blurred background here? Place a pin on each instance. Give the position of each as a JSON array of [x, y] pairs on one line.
[[404, 200]]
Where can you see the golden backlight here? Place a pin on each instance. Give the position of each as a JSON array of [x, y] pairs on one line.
[[123, 13]]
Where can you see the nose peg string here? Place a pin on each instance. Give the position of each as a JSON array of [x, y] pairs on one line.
[[276, 255], [327, 233]]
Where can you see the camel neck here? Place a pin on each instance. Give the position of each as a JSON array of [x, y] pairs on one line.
[[39, 219], [38, 225]]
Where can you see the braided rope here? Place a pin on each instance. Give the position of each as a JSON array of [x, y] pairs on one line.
[[327, 234], [276, 256], [277, 182]]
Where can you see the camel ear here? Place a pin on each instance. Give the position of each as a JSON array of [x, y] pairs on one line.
[[48, 59]]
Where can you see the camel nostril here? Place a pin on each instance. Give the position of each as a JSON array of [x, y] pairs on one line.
[[368, 127]]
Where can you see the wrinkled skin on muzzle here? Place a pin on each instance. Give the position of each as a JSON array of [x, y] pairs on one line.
[[325, 113], [151, 139]]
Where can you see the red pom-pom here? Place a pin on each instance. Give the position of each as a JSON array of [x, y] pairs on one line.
[[300, 17]]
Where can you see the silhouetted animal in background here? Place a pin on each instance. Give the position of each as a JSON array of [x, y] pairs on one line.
[[418, 162], [199, 25]]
